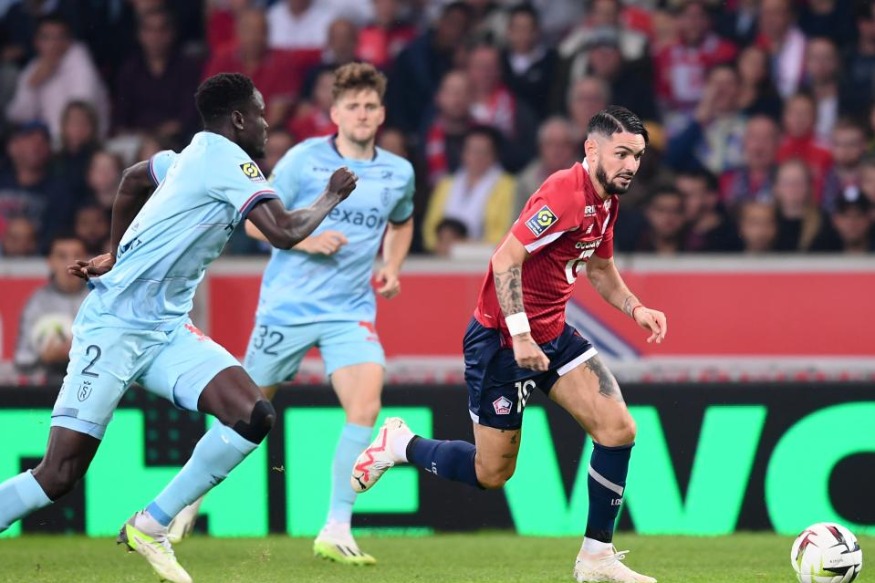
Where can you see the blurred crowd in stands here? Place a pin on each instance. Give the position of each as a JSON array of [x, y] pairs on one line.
[[760, 111]]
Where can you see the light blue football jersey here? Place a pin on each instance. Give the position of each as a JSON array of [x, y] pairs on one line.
[[203, 192], [298, 287]]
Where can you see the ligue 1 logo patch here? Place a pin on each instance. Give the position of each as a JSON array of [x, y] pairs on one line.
[[250, 169], [502, 405], [541, 221]]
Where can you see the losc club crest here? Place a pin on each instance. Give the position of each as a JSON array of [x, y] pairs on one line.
[[502, 405], [84, 391]]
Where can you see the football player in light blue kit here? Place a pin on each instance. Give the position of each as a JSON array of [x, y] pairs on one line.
[[320, 293], [134, 325]]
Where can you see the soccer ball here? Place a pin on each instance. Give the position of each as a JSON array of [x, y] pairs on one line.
[[51, 327], [826, 553]]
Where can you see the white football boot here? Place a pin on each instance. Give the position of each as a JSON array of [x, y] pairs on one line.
[[152, 544], [379, 456], [183, 523], [336, 543], [606, 567]]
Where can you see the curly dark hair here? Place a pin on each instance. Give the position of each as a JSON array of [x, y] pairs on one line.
[[221, 94]]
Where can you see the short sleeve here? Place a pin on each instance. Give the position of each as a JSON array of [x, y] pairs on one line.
[[404, 207], [159, 164], [286, 177], [552, 210], [605, 249], [239, 182]]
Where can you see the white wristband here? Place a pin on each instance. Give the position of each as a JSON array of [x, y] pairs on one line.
[[518, 324]]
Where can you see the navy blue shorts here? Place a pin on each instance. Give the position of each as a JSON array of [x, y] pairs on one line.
[[498, 389]]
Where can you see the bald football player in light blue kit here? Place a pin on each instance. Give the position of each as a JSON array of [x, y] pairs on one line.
[[134, 325], [321, 292]]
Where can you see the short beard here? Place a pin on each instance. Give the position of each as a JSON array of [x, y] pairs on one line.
[[609, 187]]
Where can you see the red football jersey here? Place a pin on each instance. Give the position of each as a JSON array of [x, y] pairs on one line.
[[561, 226]]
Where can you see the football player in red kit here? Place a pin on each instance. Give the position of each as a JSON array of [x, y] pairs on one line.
[[518, 341]]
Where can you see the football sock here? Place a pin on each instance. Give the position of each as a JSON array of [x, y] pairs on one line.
[[215, 455], [19, 496], [452, 460], [353, 441], [608, 467]]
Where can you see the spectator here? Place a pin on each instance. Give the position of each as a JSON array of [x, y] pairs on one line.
[[44, 335], [603, 16], [79, 140], [480, 193], [586, 97], [421, 66], [442, 137], [832, 19], [556, 151], [802, 226], [313, 117], [848, 149], [91, 226], [822, 81], [221, 23], [709, 228], [30, 188], [149, 146], [859, 67], [630, 82], [299, 24], [450, 232], [800, 141], [488, 22], [382, 40], [276, 73], [104, 176], [155, 85], [740, 24], [60, 73], [279, 141], [339, 50], [528, 64], [757, 93], [664, 233], [754, 178], [785, 43], [393, 140], [757, 226], [20, 24], [867, 182], [495, 106], [714, 139], [853, 222], [18, 238], [682, 67]]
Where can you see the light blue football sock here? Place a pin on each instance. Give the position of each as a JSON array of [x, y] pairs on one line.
[[354, 439], [215, 455], [19, 496]]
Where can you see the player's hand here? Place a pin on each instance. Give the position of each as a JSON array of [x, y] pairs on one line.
[[325, 243], [93, 267], [390, 286], [342, 182], [654, 321], [528, 354]]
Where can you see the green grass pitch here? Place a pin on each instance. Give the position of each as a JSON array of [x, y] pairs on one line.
[[458, 558]]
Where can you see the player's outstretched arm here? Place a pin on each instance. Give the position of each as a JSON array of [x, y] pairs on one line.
[[507, 270], [134, 190], [605, 278], [285, 229]]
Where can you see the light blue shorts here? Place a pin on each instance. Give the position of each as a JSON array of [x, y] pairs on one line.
[[275, 352], [104, 361]]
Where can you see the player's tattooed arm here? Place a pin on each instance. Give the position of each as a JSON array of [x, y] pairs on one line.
[[509, 289], [629, 304], [608, 386]]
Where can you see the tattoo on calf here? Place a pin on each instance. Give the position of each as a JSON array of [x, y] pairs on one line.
[[607, 383]]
